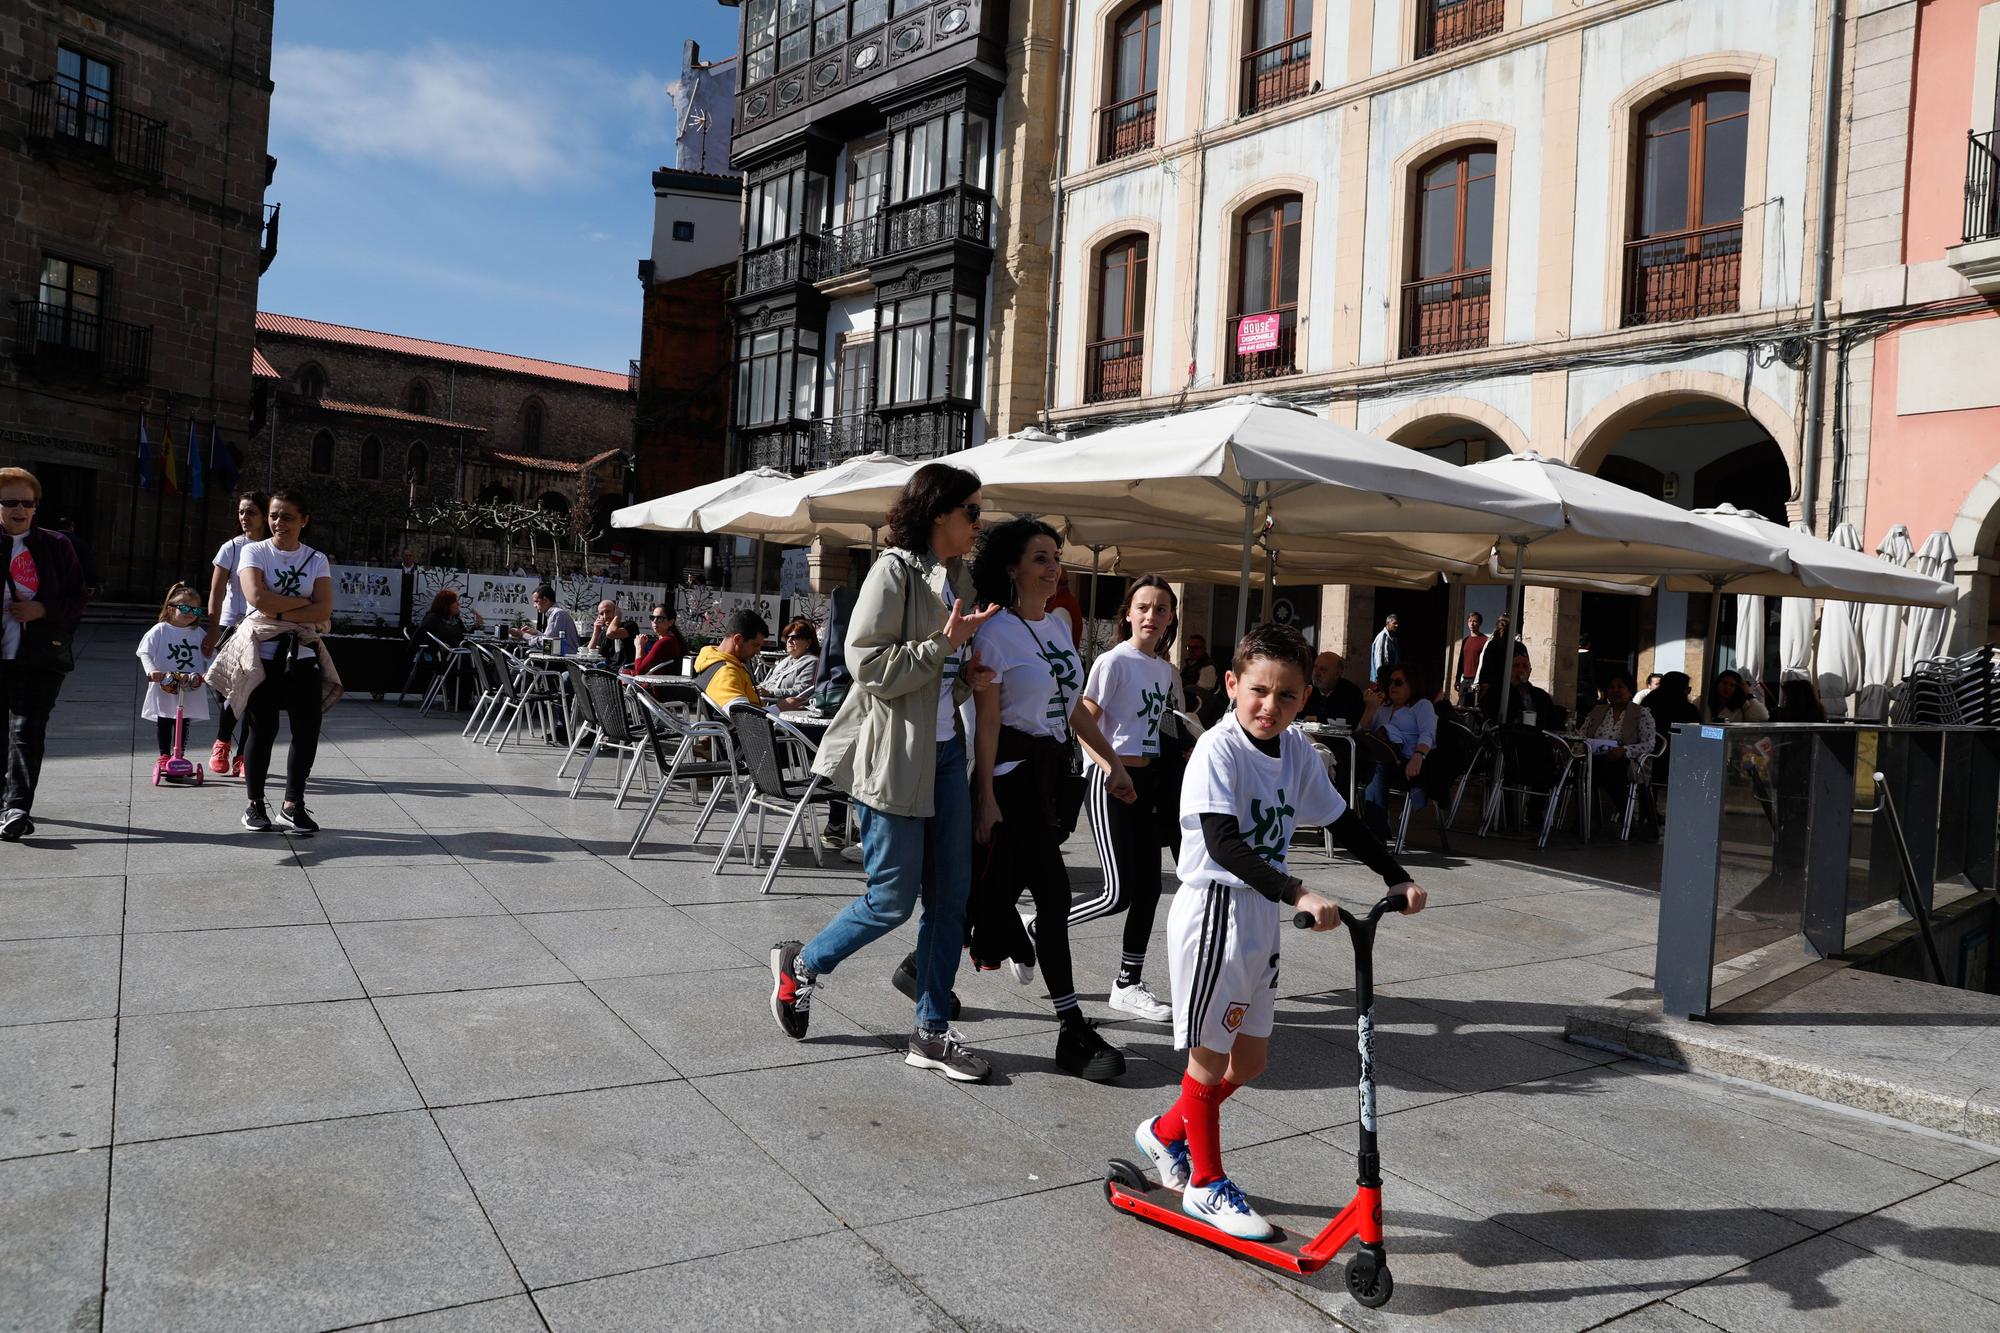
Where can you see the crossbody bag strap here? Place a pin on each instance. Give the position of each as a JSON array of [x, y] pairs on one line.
[[1042, 648]]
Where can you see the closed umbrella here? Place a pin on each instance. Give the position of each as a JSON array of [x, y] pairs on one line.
[[1927, 629], [1750, 639], [1882, 637], [1795, 631], [1840, 658]]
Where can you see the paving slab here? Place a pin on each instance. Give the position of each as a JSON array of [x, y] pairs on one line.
[[56, 1093], [82, 846], [384, 849], [632, 942], [533, 888], [275, 897], [830, 1281], [1950, 1232], [483, 1045], [455, 953], [847, 1130], [509, 846], [720, 1022], [370, 893], [224, 1069], [52, 980], [1829, 1286], [52, 1240], [37, 908], [1658, 1318], [314, 1226], [510, 1314], [1986, 1180], [216, 969], [589, 1184]]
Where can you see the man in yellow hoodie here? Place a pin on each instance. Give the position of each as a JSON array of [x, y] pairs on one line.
[[722, 668]]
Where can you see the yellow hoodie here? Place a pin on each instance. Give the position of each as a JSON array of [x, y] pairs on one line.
[[730, 683]]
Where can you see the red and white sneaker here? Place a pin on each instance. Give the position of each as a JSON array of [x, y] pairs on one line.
[[218, 757], [236, 769], [791, 989]]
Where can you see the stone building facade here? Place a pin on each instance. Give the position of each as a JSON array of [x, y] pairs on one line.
[[378, 426], [133, 171]]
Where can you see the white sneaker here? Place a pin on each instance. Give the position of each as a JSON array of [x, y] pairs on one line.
[[1137, 1000], [1024, 972], [852, 852], [1220, 1204], [1169, 1159]]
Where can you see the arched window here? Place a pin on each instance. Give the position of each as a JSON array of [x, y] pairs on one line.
[[321, 464], [1277, 66], [371, 459], [531, 426], [554, 502], [417, 465], [1128, 117], [1446, 300], [1684, 258], [417, 398], [1263, 326], [1118, 352], [312, 382]]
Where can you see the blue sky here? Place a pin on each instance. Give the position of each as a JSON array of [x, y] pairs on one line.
[[476, 171]]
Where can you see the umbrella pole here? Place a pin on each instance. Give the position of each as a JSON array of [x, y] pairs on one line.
[[1714, 623], [1090, 610], [1513, 628], [1243, 577], [757, 566], [1270, 581]]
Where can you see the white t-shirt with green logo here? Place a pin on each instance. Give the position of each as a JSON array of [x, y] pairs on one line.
[[287, 573], [1039, 670], [1228, 775], [1135, 690]]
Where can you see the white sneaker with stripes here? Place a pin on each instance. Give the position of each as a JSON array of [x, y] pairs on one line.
[[1140, 1002]]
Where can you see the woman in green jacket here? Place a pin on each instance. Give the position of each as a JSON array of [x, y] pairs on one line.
[[898, 748]]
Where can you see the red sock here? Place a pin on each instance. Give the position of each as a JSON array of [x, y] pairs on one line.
[[1171, 1127], [1197, 1117]]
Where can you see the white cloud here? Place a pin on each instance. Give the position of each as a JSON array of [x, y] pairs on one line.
[[527, 120]]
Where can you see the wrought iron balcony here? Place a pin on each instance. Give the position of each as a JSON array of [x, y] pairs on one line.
[[1444, 24], [1242, 367], [956, 213], [1280, 73], [1126, 127], [57, 339], [848, 247], [73, 119], [1115, 368], [1449, 313], [632, 378], [930, 431], [1684, 274], [268, 252], [778, 264], [1982, 187]]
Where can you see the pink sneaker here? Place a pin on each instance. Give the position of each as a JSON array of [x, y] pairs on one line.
[[218, 757]]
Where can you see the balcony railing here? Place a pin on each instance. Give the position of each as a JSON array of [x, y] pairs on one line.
[[1447, 314], [919, 432], [839, 438], [848, 247], [931, 431], [1684, 275], [1277, 74], [56, 338], [955, 213], [1126, 127], [777, 264], [1242, 367], [1444, 24], [1116, 368], [1982, 187], [267, 250], [632, 378], [62, 114]]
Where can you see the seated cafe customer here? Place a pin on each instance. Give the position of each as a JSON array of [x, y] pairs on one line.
[[1530, 704], [1333, 697], [664, 650], [723, 670]]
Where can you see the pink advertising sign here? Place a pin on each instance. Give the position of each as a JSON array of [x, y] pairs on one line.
[[1257, 333]]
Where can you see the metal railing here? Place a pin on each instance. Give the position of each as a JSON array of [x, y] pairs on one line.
[[1443, 24], [267, 250], [924, 431], [1242, 367], [1115, 368], [931, 431], [1126, 127], [777, 264], [57, 338], [955, 213], [1451, 313], [848, 247], [1279, 73], [632, 378], [1982, 187], [59, 113], [1684, 275]]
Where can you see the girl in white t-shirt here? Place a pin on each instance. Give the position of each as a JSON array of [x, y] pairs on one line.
[[1129, 692], [226, 607], [1021, 746], [283, 579], [172, 646]]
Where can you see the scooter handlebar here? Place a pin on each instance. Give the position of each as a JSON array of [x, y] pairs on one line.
[[1394, 902]]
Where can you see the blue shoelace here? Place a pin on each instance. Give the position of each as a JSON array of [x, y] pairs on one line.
[[1223, 1192]]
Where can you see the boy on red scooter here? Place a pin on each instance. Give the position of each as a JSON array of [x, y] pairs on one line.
[[1250, 783]]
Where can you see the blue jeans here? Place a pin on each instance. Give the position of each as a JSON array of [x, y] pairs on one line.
[[910, 858], [1376, 797]]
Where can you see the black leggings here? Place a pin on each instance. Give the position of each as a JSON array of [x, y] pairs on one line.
[[1128, 843], [1025, 854], [164, 728], [225, 718], [295, 691]]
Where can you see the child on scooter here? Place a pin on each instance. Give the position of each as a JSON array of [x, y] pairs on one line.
[[174, 645], [1250, 783]]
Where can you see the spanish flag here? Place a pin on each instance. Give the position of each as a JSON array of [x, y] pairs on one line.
[[170, 471]]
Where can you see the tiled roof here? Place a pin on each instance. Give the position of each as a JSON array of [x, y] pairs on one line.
[[436, 351], [534, 464], [260, 369], [394, 414]]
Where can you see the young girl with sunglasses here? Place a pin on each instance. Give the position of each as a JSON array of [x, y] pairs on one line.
[[172, 646]]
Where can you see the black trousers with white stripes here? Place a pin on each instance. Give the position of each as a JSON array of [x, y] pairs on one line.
[[1128, 843]]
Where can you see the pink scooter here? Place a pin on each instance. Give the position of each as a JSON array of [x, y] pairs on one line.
[[176, 769]]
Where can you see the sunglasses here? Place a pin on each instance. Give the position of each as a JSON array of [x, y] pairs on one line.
[[972, 511], [31, 504], [188, 610], [797, 638]]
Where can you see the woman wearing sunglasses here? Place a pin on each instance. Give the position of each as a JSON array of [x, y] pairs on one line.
[[41, 600], [1400, 712]]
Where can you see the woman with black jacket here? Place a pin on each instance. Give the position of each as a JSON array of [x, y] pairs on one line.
[[42, 597]]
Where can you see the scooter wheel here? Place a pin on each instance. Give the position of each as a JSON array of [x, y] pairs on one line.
[[1368, 1282], [1120, 1172]]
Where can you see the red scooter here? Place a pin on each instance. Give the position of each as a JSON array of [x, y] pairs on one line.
[[1367, 1271]]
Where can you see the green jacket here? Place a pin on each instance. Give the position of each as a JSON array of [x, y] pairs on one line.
[[881, 747]]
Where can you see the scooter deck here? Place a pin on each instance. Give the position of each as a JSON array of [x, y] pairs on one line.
[[1272, 1252]]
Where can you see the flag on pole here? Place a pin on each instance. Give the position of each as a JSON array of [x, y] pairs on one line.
[[170, 472], [222, 459], [145, 457], [195, 468]]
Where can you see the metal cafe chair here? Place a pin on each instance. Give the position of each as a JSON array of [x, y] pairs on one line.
[[674, 744], [775, 785]]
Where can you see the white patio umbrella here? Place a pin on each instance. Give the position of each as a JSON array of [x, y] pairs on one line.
[[1795, 630], [781, 513], [1750, 639], [681, 511], [1882, 637], [1839, 661], [1927, 630]]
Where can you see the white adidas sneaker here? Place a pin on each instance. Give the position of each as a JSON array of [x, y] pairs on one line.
[[1140, 1003], [1169, 1159], [1220, 1204]]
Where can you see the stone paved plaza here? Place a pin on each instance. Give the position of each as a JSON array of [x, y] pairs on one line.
[[457, 1064]]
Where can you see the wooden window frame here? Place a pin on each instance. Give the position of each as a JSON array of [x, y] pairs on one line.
[[1706, 277], [1129, 344], [1471, 289]]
